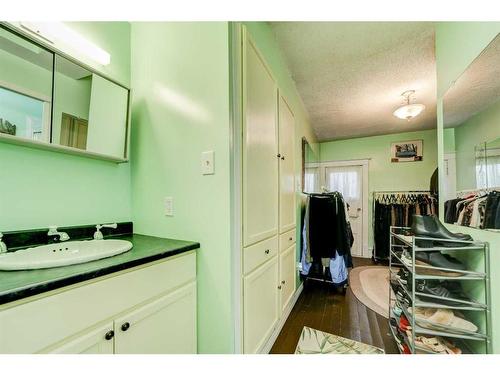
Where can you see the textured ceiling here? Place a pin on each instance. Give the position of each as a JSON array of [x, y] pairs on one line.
[[350, 75], [476, 89]]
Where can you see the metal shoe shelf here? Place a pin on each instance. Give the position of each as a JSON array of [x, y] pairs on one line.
[[401, 240]]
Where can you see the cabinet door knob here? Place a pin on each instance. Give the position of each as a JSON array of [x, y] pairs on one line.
[[283, 281], [109, 335], [125, 326], [267, 251], [282, 158], [279, 287], [279, 155], [290, 239]]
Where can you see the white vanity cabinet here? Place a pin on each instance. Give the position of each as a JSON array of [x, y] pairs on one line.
[[147, 309]]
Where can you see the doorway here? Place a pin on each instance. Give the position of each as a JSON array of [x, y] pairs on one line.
[[351, 179]]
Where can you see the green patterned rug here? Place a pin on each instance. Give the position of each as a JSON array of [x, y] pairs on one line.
[[313, 341]]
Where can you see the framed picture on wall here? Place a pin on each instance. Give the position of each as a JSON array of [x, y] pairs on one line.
[[407, 151]]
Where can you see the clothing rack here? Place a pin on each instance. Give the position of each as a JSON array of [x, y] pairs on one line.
[[306, 278], [481, 191], [379, 193]]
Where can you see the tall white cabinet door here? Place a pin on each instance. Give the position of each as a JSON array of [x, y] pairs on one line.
[[287, 276], [96, 341], [286, 167], [260, 148], [260, 312], [166, 325]]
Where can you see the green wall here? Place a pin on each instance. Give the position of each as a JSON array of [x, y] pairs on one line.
[[180, 109], [40, 188], [382, 173], [457, 45]]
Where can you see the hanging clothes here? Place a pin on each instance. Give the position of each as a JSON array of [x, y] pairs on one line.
[[397, 209], [475, 210], [327, 238]]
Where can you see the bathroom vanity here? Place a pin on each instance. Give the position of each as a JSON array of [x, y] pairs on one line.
[[141, 301]]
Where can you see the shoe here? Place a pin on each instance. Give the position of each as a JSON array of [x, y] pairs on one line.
[[403, 276], [436, 259], [442, 319], [440, 290], [430, 226]]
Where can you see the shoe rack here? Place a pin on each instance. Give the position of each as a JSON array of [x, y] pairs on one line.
[[405, 299]]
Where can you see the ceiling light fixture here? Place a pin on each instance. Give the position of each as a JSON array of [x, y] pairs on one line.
[[62, 35], [408, 111]]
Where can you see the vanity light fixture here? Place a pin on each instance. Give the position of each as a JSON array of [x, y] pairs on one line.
[[409, 110], [59, 34]]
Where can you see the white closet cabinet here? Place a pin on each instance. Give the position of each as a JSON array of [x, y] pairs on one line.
[[260, 149], [286, 167], [268, 207], [260, 312], [287, 277]]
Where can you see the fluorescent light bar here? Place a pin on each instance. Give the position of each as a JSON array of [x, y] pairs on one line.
[[61, 35]]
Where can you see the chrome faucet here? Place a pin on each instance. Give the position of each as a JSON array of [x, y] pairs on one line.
[[63, 236], [3, 246], [98, 234]]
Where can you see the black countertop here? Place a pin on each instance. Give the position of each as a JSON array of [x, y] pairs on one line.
[[15, 285]]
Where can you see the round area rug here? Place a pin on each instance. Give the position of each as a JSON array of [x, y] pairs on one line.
[[370, 285]]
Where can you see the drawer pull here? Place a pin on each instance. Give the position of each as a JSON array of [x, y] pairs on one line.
[[109, 335], [267, 251], [125, 326]]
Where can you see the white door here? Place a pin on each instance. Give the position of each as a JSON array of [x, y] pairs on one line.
[[95, 341], [165, 326], [286, 166], [260, 311], [348, 180], [260, 149], [287, 276]]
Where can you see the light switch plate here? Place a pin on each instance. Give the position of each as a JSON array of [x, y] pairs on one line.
[[169, 206], [207, 162]]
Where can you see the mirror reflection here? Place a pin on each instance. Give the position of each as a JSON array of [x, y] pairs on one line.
[[472, 144], [25, 88]]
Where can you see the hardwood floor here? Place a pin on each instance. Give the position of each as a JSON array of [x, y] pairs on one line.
[[321, 307]]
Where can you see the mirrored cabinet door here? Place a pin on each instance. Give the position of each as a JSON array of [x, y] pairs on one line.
[[52, 101], [25, 88]]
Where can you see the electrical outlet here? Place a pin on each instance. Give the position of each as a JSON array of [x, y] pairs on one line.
[[207, 162], [169, 206]]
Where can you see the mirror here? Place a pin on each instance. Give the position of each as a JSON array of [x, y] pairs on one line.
[[310, 169], [25, 88], [47, 99], [87, 111], [472, 143]]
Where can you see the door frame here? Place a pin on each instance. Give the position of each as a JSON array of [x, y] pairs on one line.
[[364, 163]]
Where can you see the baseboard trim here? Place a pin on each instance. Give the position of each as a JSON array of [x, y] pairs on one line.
[[270, 342]]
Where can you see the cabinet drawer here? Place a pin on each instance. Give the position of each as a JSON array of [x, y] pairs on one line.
[[255, 255], [287, 239], [35, 325]]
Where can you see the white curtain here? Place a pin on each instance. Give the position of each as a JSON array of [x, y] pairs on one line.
[[345, 180], [311, 180]]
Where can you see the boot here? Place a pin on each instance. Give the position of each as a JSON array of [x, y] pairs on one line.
[[430, 226]]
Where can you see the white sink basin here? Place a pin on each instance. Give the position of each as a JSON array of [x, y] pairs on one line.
[[62, 254]]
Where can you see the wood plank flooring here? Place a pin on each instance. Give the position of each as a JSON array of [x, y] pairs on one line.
[[321, 307]]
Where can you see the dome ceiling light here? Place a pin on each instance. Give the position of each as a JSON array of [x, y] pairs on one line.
[[409, 110]]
